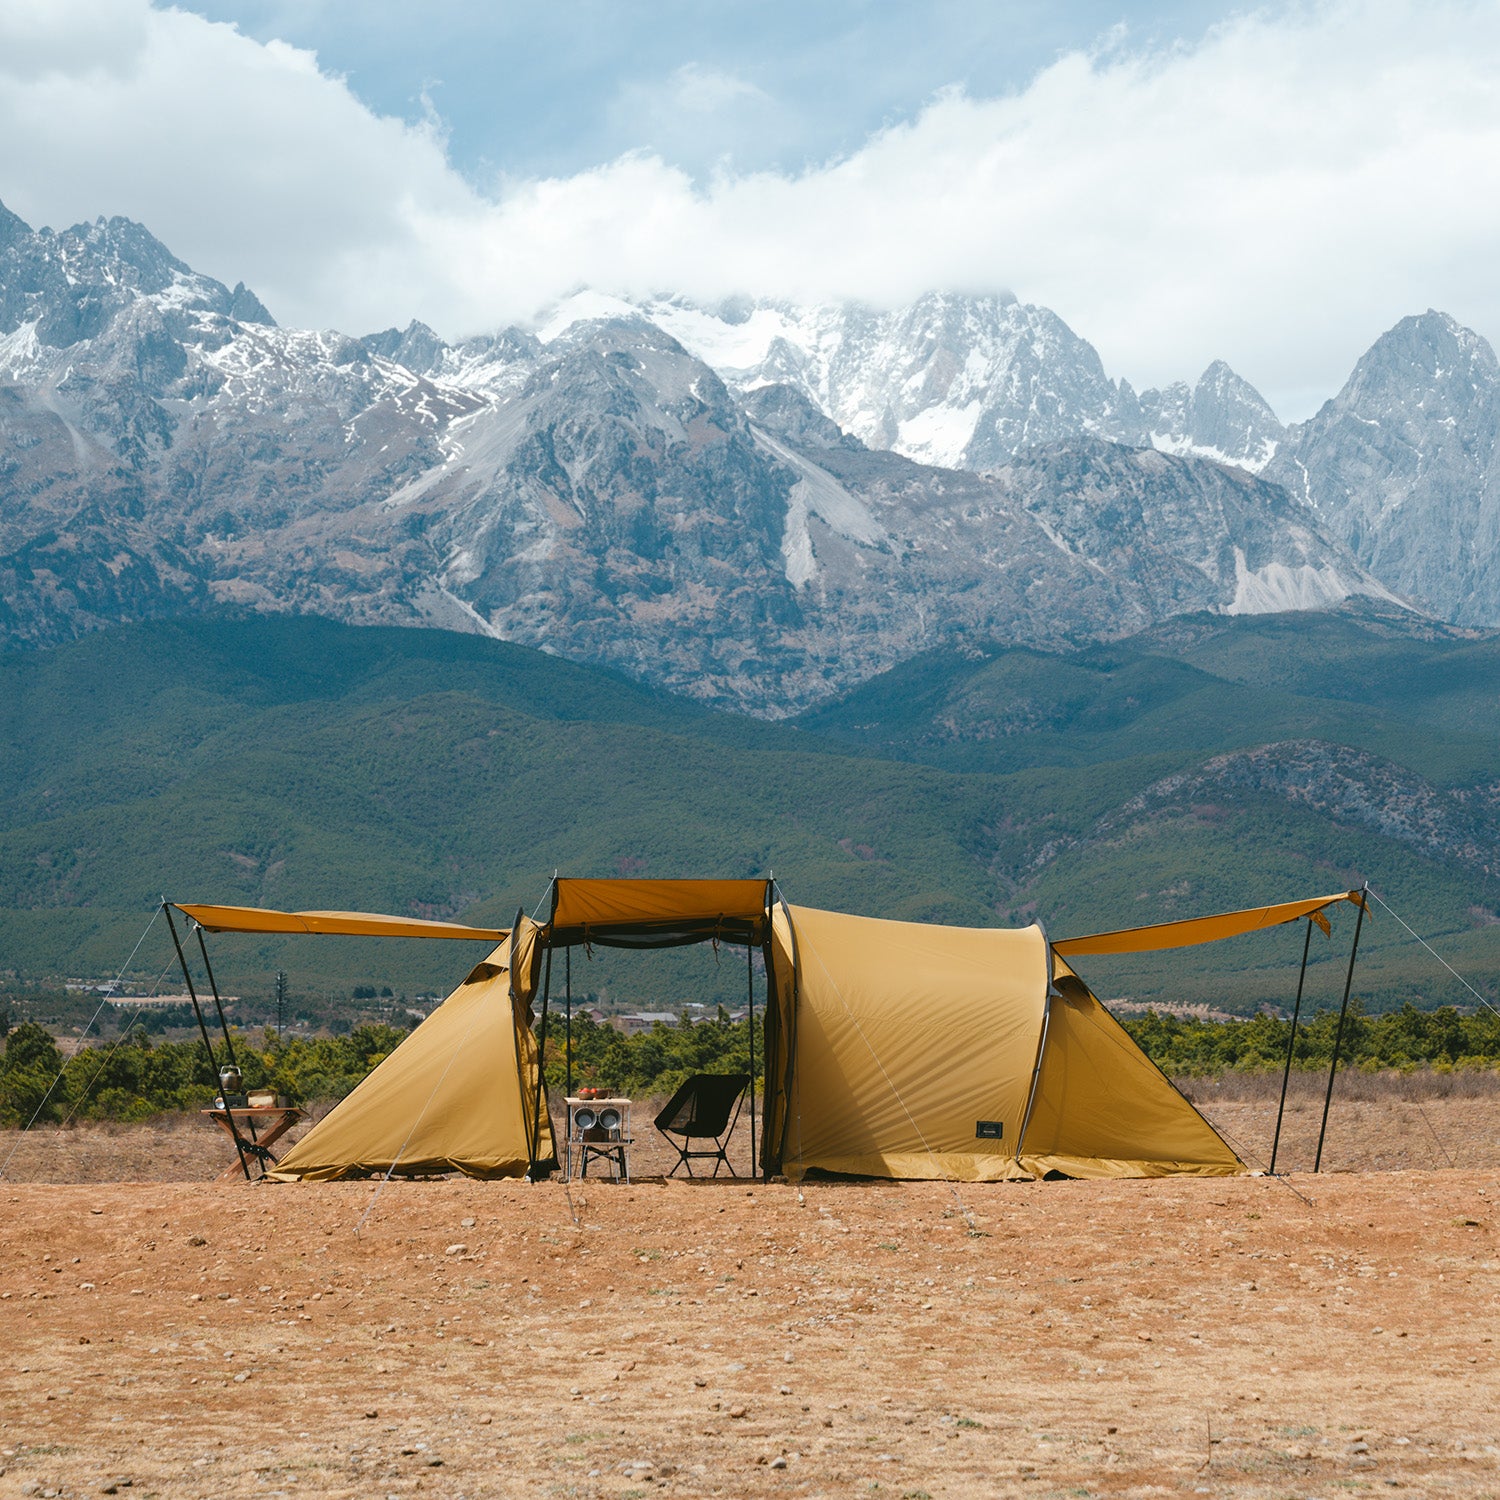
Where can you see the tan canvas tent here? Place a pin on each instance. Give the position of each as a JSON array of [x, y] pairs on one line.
[[458, 1095], [915, 1051], [892, 1049]]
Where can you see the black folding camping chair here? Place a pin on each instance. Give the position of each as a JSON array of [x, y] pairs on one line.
[[705, 1108]]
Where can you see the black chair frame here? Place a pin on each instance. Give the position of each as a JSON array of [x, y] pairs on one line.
[[701, 1110]]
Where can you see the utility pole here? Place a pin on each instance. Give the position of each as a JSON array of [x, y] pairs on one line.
[[280, 1000]]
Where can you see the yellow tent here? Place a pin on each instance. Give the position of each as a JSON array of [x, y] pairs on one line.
[[893, 1049], [458, 1095], [913, 1051]]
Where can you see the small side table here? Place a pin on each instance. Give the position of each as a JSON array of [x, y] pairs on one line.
[[277, 1120], [598, 1130]]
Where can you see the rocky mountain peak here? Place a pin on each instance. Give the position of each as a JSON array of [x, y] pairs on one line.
[[624, 484], [786, 413], [71, 285], [120, 251], [246, 307], [12, 227], [1404, 465], [416, 346], [1222, 417], [615, 367], [1425, 359]]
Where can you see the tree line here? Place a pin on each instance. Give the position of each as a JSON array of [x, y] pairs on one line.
[[135, 1078]]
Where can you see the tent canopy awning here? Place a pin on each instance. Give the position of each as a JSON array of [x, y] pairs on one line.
[[328, 923], [1200, 929], [656, 913]]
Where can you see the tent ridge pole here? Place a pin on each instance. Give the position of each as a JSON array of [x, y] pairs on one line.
[[1338, 1035], [1291, 1042], [213, 1066]]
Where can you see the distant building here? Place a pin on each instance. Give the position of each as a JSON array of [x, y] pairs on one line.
[[643, 1020], [129, 1002]]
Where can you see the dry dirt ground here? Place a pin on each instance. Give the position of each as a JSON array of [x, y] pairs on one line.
[[1310, 1336]]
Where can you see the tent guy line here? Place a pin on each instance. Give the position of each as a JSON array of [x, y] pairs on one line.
[[1488, 1004], [93, 1020], [114, 1046]]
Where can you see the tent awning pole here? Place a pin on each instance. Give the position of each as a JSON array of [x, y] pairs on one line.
[[541, 1065], [750, 994], [213, 985], [213, 1066], [568, 1002], [1291, 1043], [789, 1047], [1338, 1035]]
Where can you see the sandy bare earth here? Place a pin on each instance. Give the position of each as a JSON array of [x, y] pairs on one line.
[[1247, 1337]]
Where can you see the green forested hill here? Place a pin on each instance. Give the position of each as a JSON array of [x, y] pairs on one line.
[[294, 762]]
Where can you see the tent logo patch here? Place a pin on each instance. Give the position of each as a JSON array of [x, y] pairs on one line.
[[988, 1130]]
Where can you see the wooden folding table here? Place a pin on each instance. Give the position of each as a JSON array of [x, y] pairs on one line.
[[276, 1119]]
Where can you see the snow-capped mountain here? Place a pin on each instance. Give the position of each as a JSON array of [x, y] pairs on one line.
[[1404, 465], [959, 382], [1221, 417], [595, 487], [625, 504]]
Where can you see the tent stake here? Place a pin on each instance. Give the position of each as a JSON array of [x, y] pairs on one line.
[[1338, 1035], [1291, 1042], [213, 1066]]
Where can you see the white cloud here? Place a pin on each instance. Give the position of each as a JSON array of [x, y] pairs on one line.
[[699, 115], [1275, 195]]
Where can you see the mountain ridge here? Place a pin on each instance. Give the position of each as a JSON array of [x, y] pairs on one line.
[[596, 488], [297, 762]]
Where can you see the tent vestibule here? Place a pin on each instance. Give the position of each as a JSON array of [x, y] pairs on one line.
[[455, 1096]]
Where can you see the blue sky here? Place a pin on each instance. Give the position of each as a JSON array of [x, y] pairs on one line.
[[544, 89], [1273, 186]]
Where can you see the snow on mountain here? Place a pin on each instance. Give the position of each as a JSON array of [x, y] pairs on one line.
[[733, 527], [1222, 417], [953, 381], [958, 382]]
